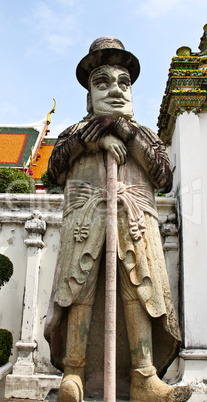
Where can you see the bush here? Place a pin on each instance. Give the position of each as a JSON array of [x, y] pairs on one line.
[[6, 338], [158, 194], [52, 188], [6, 343], [6, 269], [14, 181]]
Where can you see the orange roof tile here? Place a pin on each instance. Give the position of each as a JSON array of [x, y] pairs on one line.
[[12, 147], [42, 162]]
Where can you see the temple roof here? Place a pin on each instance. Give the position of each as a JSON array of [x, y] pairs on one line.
[[24, 146], [16, 144], [40, 165]]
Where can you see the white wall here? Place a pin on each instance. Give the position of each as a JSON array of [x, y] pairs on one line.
[[189, 144], [11, 295]]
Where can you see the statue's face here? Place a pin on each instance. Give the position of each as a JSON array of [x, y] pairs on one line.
[[110, 88]]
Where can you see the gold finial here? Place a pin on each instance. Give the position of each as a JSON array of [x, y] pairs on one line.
[[184, 51], [52, 111]]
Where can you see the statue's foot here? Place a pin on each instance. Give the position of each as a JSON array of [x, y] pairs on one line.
[[151, 388], [179, 393], [71, 389]]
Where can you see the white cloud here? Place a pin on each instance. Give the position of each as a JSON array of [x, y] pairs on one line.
[[67, 2], [8, 111], [59, 43], [56, 129], [159, 8], [55, 27]]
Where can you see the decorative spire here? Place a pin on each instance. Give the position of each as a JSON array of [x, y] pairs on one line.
[[203, 42], [186, 89]]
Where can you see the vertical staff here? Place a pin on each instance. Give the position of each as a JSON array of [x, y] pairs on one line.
[[110, 294]]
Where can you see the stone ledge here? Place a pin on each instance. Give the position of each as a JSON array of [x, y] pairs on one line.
[[33, 387], [194, 354], [22, 400]]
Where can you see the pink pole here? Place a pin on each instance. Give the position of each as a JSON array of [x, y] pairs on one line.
[[110, 294]]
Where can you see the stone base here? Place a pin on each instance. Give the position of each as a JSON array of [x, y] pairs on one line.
[[45, 388], [36, 386], [4, 371], [196, 397], [53, 395], [193, 371], [193, 366]]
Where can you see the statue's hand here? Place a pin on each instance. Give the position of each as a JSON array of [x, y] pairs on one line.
[[100, 125], [125, 130], [115, 146]]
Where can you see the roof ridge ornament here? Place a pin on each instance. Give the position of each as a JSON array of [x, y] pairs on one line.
[[34, 151], [52, 111]]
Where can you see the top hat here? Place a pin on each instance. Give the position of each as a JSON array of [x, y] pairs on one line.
[[107, 50]]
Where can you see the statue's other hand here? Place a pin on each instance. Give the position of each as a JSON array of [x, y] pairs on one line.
[[115, 146], [97, 127]]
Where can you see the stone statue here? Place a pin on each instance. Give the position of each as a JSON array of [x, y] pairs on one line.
[[79, 161]]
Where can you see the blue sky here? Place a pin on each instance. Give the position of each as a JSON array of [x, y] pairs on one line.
[[42, 42]]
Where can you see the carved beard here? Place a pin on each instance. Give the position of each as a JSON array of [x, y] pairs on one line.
[[102, 108], [116, 111]]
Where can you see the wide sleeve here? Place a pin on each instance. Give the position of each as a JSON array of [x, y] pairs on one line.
[[147, 150], [66, 150]]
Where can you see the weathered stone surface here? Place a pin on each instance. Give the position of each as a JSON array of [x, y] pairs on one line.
[[79, 161]]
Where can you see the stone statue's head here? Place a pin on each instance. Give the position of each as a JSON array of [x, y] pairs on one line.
[[108, 72]]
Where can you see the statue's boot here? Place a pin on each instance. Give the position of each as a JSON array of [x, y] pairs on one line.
[[72, 385], [146, 385]]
